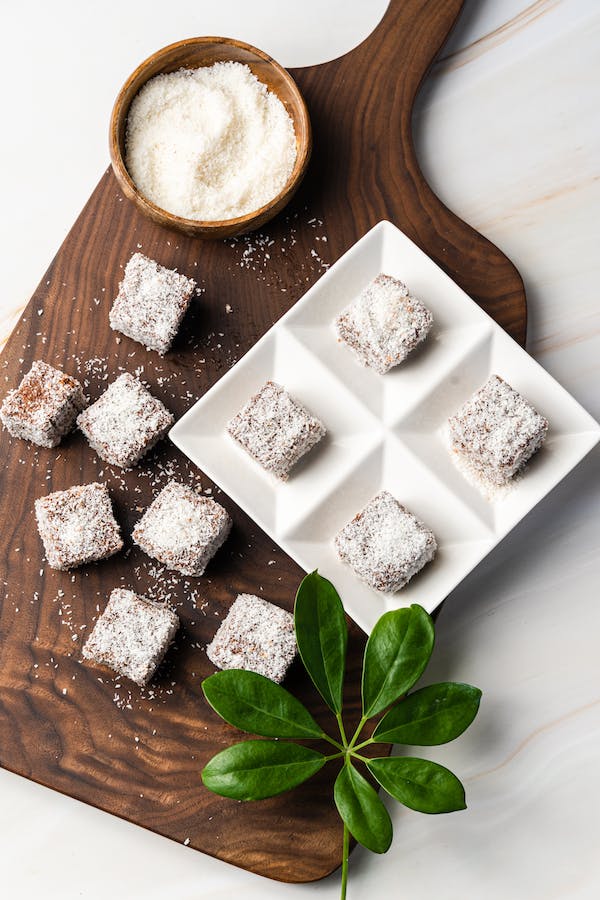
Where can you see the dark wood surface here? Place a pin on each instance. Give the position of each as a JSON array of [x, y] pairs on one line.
[[138, 754]]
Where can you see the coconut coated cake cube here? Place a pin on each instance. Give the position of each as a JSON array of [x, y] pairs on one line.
[[44, 406], [77, 526], [384, 324], [151, 303], [386, 544], [125, 422], [131, 636], [496, 431], [255, 635], [182, 529], [275, 429]]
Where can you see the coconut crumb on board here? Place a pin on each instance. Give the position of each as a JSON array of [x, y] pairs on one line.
[[284, 261]]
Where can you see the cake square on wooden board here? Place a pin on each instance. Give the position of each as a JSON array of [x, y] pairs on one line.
[[151, 303], [77, 526], [132, 635], [386, 544], [255, 635], [44, 406], [384, 324], [275, 429], [182, 529], [496, 431], [125, 422]]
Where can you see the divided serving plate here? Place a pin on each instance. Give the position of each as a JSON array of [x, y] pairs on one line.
[[384, 431]]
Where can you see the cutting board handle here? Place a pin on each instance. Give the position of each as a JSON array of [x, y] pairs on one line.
[[361, 107]]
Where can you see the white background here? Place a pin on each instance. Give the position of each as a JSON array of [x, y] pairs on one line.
[[508, 133]]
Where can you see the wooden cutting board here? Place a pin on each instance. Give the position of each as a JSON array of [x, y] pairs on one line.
[[138, 754]]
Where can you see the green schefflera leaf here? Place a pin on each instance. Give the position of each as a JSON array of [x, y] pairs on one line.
[[362, 810], [256, 704], [322, 637], [432, 715], [419, 784], [254, 770], [396, 655]]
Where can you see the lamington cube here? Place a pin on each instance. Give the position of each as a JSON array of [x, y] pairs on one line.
[[77, 526], [255, 635], [386, 544], [131, 636], [384, 324], [44, 406], [496, 431], [151, 303], [125, 422], [275, 429], [182, 529]]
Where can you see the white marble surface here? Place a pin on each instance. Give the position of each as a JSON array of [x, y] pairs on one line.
[[508, 134]]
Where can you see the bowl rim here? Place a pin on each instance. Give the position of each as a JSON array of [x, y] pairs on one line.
[[121, 110]]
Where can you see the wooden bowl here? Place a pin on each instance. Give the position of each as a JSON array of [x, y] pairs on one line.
[[191, 54]]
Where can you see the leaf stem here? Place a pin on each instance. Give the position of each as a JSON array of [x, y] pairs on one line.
[[360, 727], [364, 744], [345, 853], [358, 756], [334, 756], [332, 741], [342, 729]]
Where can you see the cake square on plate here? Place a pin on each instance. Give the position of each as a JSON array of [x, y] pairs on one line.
[[255, 635], [384, 324], [386, 544], [496, 431], [77, 526], [275, 429], [151, 303], [125, 422], [132, 635], [182, 529], [44, 406]]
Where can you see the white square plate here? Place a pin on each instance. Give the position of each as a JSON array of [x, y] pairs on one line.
[[383, 431]]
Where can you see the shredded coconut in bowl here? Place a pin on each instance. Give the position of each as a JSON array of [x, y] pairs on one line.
[[209, 143]]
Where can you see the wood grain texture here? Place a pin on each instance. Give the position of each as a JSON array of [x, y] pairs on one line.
[[138, 754]]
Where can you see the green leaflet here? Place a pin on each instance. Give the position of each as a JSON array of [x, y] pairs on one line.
[[396, 655], [322, 637], [254, 770], [418, 783], [256, 704], [361, 810], [432, 715]]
